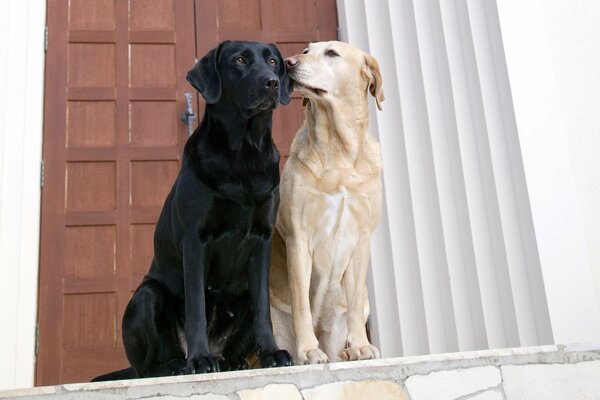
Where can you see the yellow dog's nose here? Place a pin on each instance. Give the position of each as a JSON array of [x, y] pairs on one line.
[[291, 62]]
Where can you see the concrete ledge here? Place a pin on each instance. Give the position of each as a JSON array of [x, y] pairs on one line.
[[546, 372]]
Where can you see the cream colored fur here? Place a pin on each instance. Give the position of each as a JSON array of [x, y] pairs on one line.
[[330, 205]]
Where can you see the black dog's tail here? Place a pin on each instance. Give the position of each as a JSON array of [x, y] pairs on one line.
[[127, 373]]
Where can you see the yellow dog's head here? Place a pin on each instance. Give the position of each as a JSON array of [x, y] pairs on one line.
[[334, 70]]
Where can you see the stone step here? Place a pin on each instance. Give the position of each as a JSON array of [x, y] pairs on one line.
[[545, 373]]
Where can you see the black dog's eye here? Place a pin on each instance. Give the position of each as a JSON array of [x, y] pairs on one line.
[[240, 60], [305, 51], [273, 61], [331, 53]]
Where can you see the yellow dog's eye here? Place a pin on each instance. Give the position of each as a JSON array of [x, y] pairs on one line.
[[305, 51], [273, 61], [240, 60], [331, 53]]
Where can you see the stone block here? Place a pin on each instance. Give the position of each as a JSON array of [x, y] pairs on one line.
[[552, 381], [487, 395], [271, 392], [350, 390], [208, 396], [450, 385]]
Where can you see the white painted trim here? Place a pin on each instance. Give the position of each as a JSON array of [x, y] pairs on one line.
[[544, 145], [22, 60]]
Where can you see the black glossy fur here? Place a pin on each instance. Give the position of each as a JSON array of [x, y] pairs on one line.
[[208, 282]]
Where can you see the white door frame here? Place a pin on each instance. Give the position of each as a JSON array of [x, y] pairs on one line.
[[22, 27]]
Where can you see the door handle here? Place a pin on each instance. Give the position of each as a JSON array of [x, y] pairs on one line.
[[188, 117]]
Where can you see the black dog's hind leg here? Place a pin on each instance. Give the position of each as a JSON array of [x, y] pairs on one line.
[[150, 332], [127, 373]]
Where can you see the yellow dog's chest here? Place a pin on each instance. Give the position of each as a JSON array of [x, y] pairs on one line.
[[335, 220]]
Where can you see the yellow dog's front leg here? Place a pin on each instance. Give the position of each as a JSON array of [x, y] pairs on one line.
[[355, 286], [299, 272]]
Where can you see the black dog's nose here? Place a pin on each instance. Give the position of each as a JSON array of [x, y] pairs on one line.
[[291, 62], [272, 84]]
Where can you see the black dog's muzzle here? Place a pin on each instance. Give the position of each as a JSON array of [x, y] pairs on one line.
[[264, 96]]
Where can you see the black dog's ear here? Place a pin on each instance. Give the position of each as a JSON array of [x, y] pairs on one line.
[[285, 85], [205, 76]]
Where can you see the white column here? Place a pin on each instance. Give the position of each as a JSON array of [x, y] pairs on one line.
[[526, 281], [387, 299], [21, 115], [470, 246], [446, 156]]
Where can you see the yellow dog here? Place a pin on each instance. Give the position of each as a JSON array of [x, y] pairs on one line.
[[330, 204]]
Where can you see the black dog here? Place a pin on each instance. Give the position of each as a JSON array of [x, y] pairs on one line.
[[204, 304]]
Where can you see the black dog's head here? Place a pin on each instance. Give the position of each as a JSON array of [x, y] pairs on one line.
[[249, 75]]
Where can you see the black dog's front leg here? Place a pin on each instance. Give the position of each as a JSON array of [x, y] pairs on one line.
[[258, 276], [199, 359]]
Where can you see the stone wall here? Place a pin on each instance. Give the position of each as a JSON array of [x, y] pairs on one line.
[[569, 372]]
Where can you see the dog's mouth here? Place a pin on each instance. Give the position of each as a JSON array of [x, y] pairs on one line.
[[262, 105], [300, 85]]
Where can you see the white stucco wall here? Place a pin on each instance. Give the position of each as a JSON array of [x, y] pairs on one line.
[[573, 29], [540, 88]]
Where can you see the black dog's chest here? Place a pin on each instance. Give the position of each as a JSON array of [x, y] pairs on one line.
[[231, 233], [232, 222]]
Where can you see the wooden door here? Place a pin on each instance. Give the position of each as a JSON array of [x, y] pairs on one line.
[[115, 79]]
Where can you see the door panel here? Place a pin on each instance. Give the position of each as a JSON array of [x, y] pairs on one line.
[[115, 79]]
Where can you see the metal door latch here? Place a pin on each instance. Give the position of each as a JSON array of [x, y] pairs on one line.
[[188, 117]]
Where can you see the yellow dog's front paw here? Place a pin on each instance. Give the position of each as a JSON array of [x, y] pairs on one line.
[[354, 353], [312, 356]]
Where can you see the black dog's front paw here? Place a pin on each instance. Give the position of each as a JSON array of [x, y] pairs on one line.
[[279, 358], [201, 365]]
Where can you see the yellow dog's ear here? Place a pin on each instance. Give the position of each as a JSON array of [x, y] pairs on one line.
[[375, 81]]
